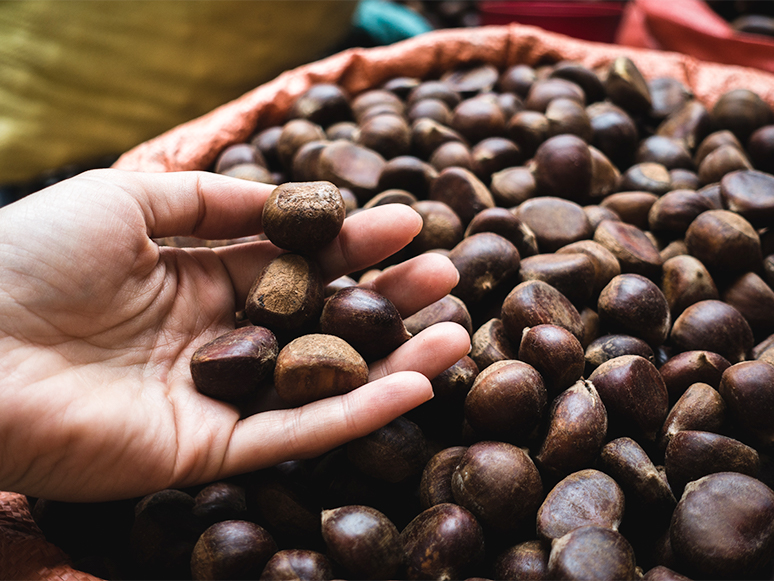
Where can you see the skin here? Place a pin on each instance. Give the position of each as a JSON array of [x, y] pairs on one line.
[[98, 324]]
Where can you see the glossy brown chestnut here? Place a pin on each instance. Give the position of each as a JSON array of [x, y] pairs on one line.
[[577, 427], [363, 541], [723, 526], [634, 395], [233, 366], [232, 549], [585, 497], [366, 320], [444, 541], [498, 483]]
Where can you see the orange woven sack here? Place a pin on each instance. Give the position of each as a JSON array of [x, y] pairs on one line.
[[24, 554], [194, 145]]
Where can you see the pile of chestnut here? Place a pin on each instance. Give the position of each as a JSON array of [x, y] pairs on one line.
[[615, 416]]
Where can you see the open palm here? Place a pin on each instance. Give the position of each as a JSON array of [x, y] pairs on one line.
[[98, 324]]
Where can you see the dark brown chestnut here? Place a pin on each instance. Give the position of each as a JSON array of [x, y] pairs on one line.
[[643, 484], [485, 261], [233, 366], [506, 401], [748, 390], [490, 344], [585, 497], [592, 552], [232, 549], [626, 87], [571, 273], [366, 320], [441, 227], [723, 526], [296, 133], [563, 167], [693, 366], [741, 111], [499, 484], [392, 453], [692, 454], [685, 281], [435, 486], [352, 166], [409, 173], [293, 564], [555, 353], [634, 395], [527, 561], [634, 305], [577, 427], [612, 345], [724, 241], [535, 302], [363, 541], [700, 407], [447, 308], [322, 103], [462, 191], [444, 541], [556, 222], [635, 252], [715, 326], [220, 501]]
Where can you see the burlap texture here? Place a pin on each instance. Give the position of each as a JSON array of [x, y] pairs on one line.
[[194, 145], [24, 551]]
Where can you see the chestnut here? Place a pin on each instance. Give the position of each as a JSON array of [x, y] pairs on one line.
[[713, 325], [634, 395], [317, 366], [577, 427], [232, 549], [366, 320], [363, 541], [723, 526], [748, 390], [444, 541], [232, 367], [585, 497], [691, 454], [700, 407], [536, 302], [592, 552], [555, 353], [634, 305], [527, 560], [392, 453], [506, 401], [291, 564], [498, 483]]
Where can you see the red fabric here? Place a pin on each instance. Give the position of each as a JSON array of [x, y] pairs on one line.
[[692, 28]]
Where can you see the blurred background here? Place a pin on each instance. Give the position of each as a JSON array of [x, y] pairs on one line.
[[84, 81]]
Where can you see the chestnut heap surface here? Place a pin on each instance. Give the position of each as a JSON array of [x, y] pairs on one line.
[[614, 418]]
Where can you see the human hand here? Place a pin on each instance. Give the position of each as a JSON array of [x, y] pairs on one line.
[[98, 324]]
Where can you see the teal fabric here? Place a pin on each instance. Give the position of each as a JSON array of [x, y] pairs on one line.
[[388, 22]]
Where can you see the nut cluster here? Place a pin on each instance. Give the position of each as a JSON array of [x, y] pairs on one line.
[[615, 416]]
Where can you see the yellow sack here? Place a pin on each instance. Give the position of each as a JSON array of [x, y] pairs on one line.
[[81, 80]]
